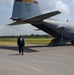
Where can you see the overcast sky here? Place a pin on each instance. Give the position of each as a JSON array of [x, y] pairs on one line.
[[6, 7]]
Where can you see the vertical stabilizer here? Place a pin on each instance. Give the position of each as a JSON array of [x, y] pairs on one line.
[[24, 9]]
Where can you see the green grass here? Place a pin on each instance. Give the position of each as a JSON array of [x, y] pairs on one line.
[[13, 41], [38, 40]]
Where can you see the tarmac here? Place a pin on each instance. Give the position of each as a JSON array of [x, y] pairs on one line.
[[37, 60]]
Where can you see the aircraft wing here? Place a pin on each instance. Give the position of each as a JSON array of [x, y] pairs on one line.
[[36, 18]]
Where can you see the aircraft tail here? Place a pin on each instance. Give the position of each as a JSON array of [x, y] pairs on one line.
[[24, 9], [28, 11]]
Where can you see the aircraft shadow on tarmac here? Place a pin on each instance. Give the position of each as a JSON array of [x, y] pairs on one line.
[[26, 49], [37, 46]]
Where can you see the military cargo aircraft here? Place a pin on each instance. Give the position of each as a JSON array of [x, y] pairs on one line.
[[28, 11]]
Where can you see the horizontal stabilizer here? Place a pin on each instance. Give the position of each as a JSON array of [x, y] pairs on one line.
[[16, 23], [42, 17], [36, 18]]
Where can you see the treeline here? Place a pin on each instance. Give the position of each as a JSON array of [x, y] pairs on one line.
[[28, 36]]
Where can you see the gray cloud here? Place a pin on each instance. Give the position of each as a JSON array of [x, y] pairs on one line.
[[50, 5], [72, 0], [62, 7]]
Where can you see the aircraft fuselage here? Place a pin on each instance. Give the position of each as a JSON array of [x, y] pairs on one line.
[[64, 28]]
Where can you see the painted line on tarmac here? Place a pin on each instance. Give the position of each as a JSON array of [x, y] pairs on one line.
[[36, 69], [22, 64]]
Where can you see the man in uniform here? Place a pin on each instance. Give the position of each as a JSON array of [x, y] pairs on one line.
[[20, 43]]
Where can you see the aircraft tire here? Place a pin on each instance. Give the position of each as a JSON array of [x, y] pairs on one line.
[[72, 42]]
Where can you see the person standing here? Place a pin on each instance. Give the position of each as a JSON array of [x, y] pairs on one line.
[[20, 43]]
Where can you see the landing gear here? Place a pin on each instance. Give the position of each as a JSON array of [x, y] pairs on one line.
[[54, 42], [57, 41], [72, 42]]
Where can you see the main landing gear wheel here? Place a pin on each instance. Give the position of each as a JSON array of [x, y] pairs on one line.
[[72, 42]]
